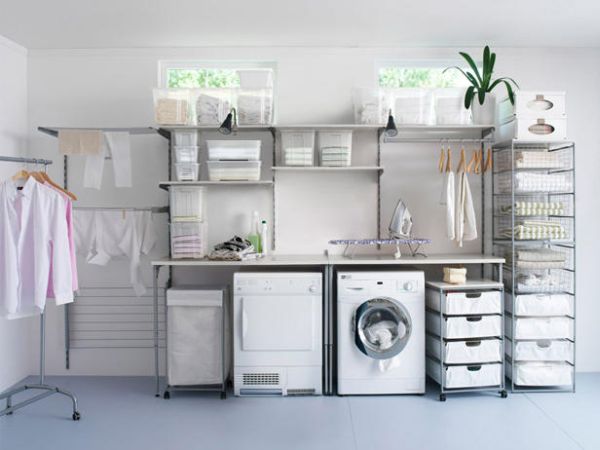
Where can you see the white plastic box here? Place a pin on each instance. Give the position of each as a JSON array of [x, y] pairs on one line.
[[256, 78], [536, 130], [371, 106], [233, 150], [413, 106], [212, 105], [188, 203], [172, 107], [449, 107], [198, 342], [185, 138], [298, 148], [254, 107], [335, 148], [186, 154], [188, 240], [187, 171], [234, 170], [533, 105]]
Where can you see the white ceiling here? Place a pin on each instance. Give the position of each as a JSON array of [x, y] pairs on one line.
[[44, 24]]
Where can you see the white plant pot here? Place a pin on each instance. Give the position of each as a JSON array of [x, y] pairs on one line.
[[484, 114]]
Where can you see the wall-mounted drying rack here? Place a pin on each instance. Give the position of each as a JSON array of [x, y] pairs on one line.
[[41, 385], [137, 131]]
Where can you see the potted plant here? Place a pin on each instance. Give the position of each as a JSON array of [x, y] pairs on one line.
[[482, 85]]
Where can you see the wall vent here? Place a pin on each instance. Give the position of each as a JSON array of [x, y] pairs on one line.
[[260, 379], [301, 392]]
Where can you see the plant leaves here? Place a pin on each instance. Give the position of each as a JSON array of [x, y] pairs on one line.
[[469, 96], [472, 64], [468, 75], [511, 94], [486, 66], [481, 96]]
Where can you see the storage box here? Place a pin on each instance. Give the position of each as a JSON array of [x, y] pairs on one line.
[[256, 78], [254, 107], [539, 328], [297, 147], [464, 327], [449, 108], [188, 203], [212, 105], [371, 106], [534, 130], [541, 374], [413, 106], [464, 377], [185, 138], [233, 150], [172, 107], [541, 305], [335, 148], [465, 352], [542, 350], [533, 105], [188, 240], [198, 342], [187, 171], [464, 303], [186, 154], [234, 170]]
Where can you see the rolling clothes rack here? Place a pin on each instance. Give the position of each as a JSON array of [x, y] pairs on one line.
[[41, 385]]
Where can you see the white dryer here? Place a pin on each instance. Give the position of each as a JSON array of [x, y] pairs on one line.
[[278, 333], [380, 333]]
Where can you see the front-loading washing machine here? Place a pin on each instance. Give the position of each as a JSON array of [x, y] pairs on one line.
[[380, 332]]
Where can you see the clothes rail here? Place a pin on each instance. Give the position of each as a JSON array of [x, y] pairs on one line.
[[47, 389], [153, 209]]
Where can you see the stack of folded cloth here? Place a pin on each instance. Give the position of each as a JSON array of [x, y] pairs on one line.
[[335, 156], [553, 182], [170, 111], [188, 246], [535, 209], [253, 109], [538, 258], [298, 156], [536, 229], [211, 110], [537, 160], [235, 249], [538, 282]]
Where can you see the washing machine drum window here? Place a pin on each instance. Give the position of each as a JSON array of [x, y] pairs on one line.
[[382, 328]]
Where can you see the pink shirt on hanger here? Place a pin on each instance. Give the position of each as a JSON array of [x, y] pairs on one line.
[[71, 236]]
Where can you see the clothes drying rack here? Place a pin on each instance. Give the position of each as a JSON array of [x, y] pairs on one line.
[[41, 385]]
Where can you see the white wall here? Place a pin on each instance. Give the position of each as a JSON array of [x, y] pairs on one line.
[[113, 88], [16, 342]]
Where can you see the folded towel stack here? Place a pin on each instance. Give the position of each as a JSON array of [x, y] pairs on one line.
[[170, 111], [537, 160], [539, 282], [535, 209], [532, 230], [254, 109], [298, 156], [335, 156], [211, 110], [537, 258]]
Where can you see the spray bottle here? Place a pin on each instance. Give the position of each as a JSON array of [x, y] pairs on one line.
[[254, 234]]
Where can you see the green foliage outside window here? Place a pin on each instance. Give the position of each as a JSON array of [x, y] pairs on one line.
[[199, 78], [398, 77]]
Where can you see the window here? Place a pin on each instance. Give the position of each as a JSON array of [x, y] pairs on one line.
[[420, 77], [190, 74]]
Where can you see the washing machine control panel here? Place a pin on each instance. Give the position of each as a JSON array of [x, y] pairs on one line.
[[292, 286]]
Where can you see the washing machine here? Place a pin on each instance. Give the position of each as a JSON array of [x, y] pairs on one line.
[[278, 333], [380, 333]]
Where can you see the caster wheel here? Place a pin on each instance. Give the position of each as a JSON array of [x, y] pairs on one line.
[[503, 394], [76, 416], [167, 395], [442, 397], [9, 414], [223, 395]]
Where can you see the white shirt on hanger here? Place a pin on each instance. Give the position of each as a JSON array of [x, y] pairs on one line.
[[33, 237]]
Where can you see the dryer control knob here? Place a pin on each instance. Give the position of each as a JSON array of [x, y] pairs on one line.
[[409, 286], [312, 288]]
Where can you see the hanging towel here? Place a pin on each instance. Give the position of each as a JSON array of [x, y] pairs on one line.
[[466, 222], [118, 146], [450, 206], [79, 142]]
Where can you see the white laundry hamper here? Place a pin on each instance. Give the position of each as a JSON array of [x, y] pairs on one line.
[[198, 342]]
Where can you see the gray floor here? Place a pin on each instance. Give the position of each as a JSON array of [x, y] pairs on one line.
[[122, 413]]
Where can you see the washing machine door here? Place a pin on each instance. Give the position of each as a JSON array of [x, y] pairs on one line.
[[382, 327]]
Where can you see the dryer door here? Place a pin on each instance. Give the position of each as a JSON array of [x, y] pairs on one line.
[[382, 327]]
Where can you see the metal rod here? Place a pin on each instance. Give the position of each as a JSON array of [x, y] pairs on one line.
[[154, 209], [42, 347], [156, 270], [53, 131], [16, 159]]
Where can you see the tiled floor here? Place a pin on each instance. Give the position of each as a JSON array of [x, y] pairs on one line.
[[122, 413]]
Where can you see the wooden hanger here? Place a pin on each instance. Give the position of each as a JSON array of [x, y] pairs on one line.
[[20, 175], [472, 166], [45, 178], [461, 164], [449, 160], [488, 163], [442, 160]]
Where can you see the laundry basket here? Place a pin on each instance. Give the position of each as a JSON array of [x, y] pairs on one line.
[[198, 343]]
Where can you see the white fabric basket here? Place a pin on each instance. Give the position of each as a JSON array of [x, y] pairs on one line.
[[465, 327], [541, 374], [541, 305], [540, 328], [541, 350], [463, 303], [468, 376], [466, 352]]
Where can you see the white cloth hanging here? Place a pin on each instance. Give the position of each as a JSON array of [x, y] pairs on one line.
[[450, 206], [466, 221], [33, 238], [104, 235], [117, 145]]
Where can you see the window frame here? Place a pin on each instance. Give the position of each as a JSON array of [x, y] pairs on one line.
[[441, 63]]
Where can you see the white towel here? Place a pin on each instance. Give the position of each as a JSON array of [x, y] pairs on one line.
[[116, 144], [450, 206], [466, 222]]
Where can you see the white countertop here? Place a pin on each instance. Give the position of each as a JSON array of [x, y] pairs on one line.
[[323, 260], [470, 284]]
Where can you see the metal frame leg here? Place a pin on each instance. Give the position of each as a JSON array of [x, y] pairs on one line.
[[156, 273]]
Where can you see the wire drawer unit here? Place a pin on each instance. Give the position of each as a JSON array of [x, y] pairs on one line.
[[534, 229], [465, 342]]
